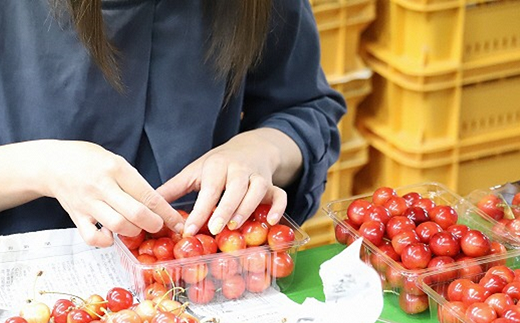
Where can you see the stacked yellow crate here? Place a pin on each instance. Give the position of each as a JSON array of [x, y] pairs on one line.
[[445, 101], [340, 24]]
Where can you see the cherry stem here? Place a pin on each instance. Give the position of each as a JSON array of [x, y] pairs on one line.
[[513, 206], [181, 290], [72, 296], [38, 274]]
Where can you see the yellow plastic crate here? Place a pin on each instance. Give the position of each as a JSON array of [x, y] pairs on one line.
[[340, 180], [428, 37], [340, 24], [354, 87], [432, 113], [462, 168]]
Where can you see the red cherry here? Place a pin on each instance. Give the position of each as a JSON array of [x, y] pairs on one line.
[[426, 230], [458, 230], [398, 224], [163, 249], [451, 312], [396, 205], [456, 287], [470, 268], [480, 312], [188, 247], [201, 292], [402, 239], [119, 299], [413, 304], [372, 231], [343, 232], [282, 264], [224, 267], [515, 205], [474, 293], [512, 313], [513, 290], [444, 215], [260, 213], [416, 256], [425, 203], [417, 214], [444, 244], [254, 232], [357, 210], [133, 242], [280, 237], [16, 319], [499, 301], [493, 283], [78, 315], [411, 197], [377, 213], [233, 287], [382, 194], [475, 244], [61, 309], [490, 204], [258, 282], [209, 245], [439, 264]]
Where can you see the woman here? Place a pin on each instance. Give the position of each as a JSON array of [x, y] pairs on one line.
[[108, 118]]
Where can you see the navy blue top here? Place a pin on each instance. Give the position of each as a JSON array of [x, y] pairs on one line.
[[171, 112]]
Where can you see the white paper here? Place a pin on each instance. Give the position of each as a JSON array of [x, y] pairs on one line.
[[68, 265]]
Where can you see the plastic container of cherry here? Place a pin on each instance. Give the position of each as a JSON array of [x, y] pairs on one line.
[[501, 204], [205, 268], [412, 231], [487, 291]]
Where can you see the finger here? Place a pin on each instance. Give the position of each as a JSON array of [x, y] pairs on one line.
[[258, 187], [278, 202], [90, 233], [236, 188], [136, 187], [112, 220], [213, 181], [178, 186]]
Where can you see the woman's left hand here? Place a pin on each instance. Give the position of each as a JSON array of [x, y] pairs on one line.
[[234, 178]]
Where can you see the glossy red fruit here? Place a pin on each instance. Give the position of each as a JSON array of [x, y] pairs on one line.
[[444, 215], [503, 271], [260, 213], [474, 293], [382, 194], [426, 230], [439, 264], [456, 287], [425, 203], [398, 224], [163, 249], [15, 319], [377, 213], [119, 299], [417, 214], [402, 239], [458, 230], [258, 282], [282, 264], [372, 231], [357, 210], [396, 205], [444, 244], [165, 317], [513, 290], [491, 205], [451, 312], [493, 283], [344, 233], [413, 304], [280, 237], [201, 292], [411, 197], [188, 247], [499, 301], [209, 245], [480, 313], [61, 309], [515, 205], [233, 287], [79, 316], [224, 267], [475, 244], [133, 242], [416, 256], [512, 313]]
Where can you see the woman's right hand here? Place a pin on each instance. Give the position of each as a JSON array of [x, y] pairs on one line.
[[93, 185]]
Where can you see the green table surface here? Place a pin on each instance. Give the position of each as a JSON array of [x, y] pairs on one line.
[[307, 283]]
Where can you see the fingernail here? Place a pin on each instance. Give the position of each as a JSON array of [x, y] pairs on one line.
[[272, 219], [216, 225], [191, 230], [179, 227], [235, 222]]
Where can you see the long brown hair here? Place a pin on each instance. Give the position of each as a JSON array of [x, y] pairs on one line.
[[239, 30]]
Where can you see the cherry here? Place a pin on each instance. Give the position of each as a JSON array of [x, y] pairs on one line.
[[456, 287], [398, 224], [163, 249], [60, 310], [125, 316], [201, 292], [260, 213], [119, 299], [16, 319], [188, 247], [493, 283], [451, 312], [416, 256], [233, 287], [413, 304], [382, 194], [79, 315], [377, 213], [209, 245], [426, 230], [372, 231], [444, 244], [411, 197], [417, 214], [224, 267], [402, 239], [254, 232], [258, 282], [396, 205], [475, 244], [282, 264], [444, 215], [35, 312], [499, 301], [357, 210], [425, 203], [194, 273], [280, 236], [133, 242], [480, 313], [491, 205], [256, 261]]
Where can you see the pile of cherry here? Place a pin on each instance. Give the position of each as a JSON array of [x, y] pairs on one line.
[[415, 235], [117, 307], [497, 208], [490, 296], [206, 266]]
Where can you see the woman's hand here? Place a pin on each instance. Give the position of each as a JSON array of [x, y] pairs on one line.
[[93, 185], [237, 176]]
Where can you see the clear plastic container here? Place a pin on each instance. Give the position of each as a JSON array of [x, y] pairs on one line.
[[437, 291], [398, 281], [252, 269]]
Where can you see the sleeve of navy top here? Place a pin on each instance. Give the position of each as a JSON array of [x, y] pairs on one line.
[[288, 91]]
